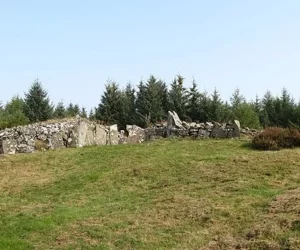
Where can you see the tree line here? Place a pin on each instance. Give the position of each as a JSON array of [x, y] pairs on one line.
[[150, 102]]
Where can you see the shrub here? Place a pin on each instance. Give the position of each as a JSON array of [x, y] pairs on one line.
[[274, 138]]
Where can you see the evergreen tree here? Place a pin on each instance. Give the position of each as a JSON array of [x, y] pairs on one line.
[[236, 99], [92, 115], [83, 112], [13, 114], [73, 110], [215, 109], [204, 113], [269, 116], [60, 111], [110, 106], [178, 97], [127, 112], [154, 100], [193, 105], [141, 105], [37, 103]]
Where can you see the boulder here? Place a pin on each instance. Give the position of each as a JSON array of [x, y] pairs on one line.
[[135, 134], [219, 131]]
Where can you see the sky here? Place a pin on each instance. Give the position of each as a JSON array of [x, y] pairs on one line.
[[73, 47]]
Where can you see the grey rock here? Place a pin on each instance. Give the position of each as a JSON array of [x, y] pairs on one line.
[[135, 134], [113, 135]]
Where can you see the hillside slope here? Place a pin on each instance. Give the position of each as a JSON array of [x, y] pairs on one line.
[[170, 194]]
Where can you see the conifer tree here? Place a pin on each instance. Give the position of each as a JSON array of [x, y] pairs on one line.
[[193, 105], [60, 111], [83, 112], [109, 108], [178, 97], [37, 103], [215, 107]]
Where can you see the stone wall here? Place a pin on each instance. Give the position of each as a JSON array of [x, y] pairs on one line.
[[177, 128], [78, 132], [75, 132]]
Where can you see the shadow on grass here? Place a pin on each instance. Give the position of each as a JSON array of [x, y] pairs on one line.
[[248, 145]]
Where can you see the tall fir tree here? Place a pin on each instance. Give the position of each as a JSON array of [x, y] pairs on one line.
[[193, 104], [83, 112], [204, 113], [127, 113], [60, 111], [37, 103], [178, 97], [109, 108], [215, 110]]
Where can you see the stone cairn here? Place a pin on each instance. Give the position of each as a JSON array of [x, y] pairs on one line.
[[79, 132]]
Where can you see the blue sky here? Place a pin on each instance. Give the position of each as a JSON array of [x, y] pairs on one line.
[[73, 47]]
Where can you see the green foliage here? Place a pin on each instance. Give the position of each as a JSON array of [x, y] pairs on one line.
[[127, 112], [178, 96], [215, 107], [60, 111], [83, 113], [37, 103], [72, 110], [13, 114], [193, 104], [110, 106], [152, 101]]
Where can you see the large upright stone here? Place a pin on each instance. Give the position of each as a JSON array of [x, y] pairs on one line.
[[173, 122], [113, 135], [9, 146], [135, 134], [101, 135], [236, 128]]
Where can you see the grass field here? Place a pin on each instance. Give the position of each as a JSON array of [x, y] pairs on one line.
[[169, 194]]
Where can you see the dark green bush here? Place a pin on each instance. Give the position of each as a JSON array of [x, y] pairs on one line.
[[274, 138]]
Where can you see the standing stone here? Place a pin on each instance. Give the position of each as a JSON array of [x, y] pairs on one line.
[[9, 146], [101, 135], [113, 135], [173, 122], [236, 128]]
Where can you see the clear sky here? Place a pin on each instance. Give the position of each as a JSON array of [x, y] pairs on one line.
[[74, 46]]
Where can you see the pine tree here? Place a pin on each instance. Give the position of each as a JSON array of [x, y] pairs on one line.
[[204, 113], [127, 112], [178, 97], [83, 112], [141, 105], [215, 109], [269, 116], [236, 99], [92, 115], [60, 111], [154, 100], [37, 103], [110, 106], [193, 105]]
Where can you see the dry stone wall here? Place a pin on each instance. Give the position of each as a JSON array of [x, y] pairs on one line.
[[54, 135], [78, 132]]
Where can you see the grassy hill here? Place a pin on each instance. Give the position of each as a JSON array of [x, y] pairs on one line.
[[170, 194]]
